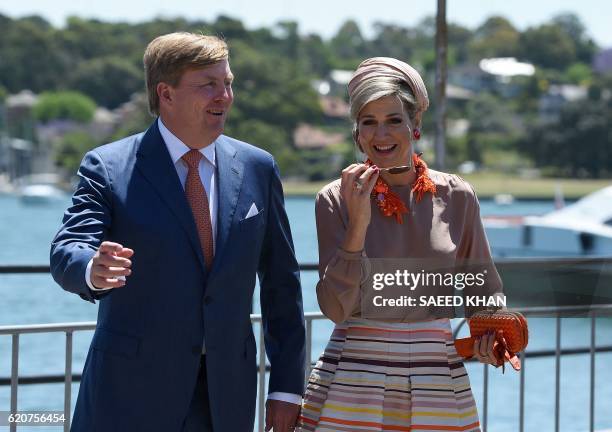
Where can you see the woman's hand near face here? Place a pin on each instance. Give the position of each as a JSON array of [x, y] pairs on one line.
[[357, 201]]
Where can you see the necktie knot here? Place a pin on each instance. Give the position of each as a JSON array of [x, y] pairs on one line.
[[192, 158]]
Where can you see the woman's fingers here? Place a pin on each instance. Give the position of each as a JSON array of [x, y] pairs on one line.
[[481, 345], [489, 348], [371, 180], [365, 175], [347, 177], [483, 349], [477, 348], [350, 175]]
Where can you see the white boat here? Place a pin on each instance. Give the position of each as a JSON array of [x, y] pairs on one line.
[[581, 228], [41, 194]]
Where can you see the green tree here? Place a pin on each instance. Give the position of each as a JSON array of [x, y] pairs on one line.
[[579, 73], [579, 142], [496, 37], [110, 81], [459, 39], [348, 46], [572, 26], [490, 126], [71, 149], [229, 28], [548, 46], [391, 41], [68, 105], [317, 55], [85, 39], [31, 58]]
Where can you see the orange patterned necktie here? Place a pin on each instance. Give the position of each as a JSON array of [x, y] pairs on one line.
[[196, 195]]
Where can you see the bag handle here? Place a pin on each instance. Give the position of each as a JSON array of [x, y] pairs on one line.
[[465, 348]]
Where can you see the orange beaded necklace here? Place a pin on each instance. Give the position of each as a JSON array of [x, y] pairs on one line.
[[389, 203]]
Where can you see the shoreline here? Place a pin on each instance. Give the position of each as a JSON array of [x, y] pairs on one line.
[[487, 186]]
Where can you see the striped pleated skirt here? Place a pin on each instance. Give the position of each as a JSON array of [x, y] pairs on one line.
[[377, 376]]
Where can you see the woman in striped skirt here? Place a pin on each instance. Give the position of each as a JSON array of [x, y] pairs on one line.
[[386, 372]]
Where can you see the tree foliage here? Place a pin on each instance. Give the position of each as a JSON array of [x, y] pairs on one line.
[[275, 66], [68, 105], [110, 81], [579, 142], [71, 149]]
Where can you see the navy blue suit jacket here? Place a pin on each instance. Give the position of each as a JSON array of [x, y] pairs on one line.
[[142, 365]]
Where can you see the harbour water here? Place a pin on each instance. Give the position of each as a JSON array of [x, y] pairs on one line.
[[25, 234]]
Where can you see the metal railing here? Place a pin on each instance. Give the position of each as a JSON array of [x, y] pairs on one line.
[[16, 331], [556, 312], [70, 328]]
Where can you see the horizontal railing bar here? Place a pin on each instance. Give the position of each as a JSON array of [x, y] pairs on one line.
[[20, 269], [532, 310], [91, 325], [35, 269], [527, 261], [256, 318], [47, 328], [565, 351], [40, 379], [56, 379]]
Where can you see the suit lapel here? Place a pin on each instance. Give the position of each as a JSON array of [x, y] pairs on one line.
[[155, 164], [229, 180]]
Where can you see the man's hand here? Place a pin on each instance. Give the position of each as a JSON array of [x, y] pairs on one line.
[[281, 416], [109, 263]]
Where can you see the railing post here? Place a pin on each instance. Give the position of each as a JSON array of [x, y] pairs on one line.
[[592, 390], [522, 393], [557, 371], [262, 379], [14, 376], [485, 402], [308, 347], [68, 382]]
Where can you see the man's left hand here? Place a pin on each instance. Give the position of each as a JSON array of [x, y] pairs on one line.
[[281, 416]]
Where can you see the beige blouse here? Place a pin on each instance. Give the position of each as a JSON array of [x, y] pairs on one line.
[[446, 227]]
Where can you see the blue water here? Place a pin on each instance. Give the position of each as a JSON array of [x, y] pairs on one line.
[[25, 234]]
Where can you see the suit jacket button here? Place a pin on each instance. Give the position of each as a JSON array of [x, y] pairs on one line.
[[207, 300], [196, 350]]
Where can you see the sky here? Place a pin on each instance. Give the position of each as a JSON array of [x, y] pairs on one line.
[[324, 17]]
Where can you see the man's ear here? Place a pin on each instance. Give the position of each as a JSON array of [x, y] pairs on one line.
[[165, 93]]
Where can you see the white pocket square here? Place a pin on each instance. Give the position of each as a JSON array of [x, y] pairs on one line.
[[253, 211]]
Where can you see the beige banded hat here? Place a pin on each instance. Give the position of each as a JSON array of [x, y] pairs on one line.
[[390, 67]]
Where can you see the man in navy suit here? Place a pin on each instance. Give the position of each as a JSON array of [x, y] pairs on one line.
[[168, 229]]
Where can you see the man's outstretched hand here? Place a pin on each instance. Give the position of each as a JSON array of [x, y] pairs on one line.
[[110, 262]]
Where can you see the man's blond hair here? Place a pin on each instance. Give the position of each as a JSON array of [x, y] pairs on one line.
[[168, 56]]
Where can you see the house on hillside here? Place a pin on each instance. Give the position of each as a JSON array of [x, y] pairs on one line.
[[491, 74], [602, 62], [551, 103]]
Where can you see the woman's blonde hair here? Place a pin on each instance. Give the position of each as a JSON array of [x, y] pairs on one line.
[[167, 57]]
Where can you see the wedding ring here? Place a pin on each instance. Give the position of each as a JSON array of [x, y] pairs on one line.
[[357, 186]]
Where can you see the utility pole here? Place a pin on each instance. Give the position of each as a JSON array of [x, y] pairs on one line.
[[441, 72]]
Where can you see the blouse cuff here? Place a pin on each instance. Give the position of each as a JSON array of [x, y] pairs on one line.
[[351, 256]]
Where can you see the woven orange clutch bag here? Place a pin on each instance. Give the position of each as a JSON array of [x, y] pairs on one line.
[[511, 335]]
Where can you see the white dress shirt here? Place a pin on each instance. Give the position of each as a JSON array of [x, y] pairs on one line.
[[207, 170]]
